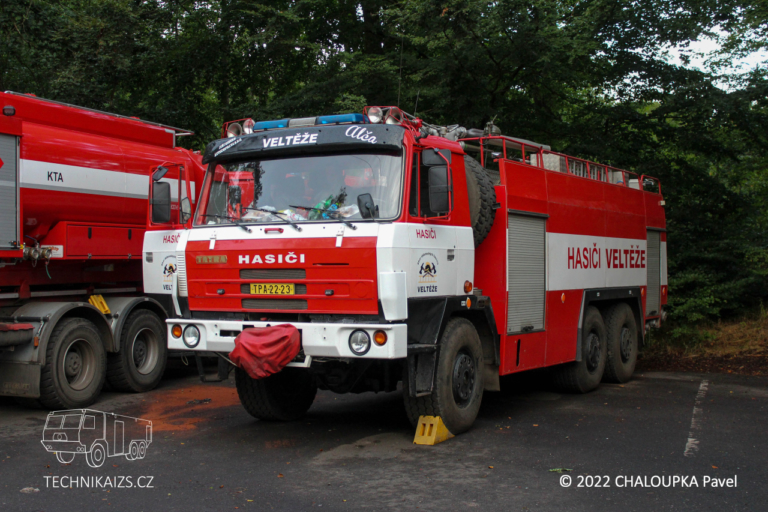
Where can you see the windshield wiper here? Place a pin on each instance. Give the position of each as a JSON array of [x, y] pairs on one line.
[[234, 220], [276, 213], [331, 212]]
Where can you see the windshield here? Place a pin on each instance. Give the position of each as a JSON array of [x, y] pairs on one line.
[[307, 188]]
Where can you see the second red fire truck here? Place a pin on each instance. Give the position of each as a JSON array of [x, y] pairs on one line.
[[438, 257]]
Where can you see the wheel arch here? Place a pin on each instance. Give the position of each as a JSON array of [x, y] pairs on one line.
[[426, 328], [47, 316]]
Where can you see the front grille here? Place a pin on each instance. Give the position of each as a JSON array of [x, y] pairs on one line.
[[300, 289], [288, 304], [273, 273]]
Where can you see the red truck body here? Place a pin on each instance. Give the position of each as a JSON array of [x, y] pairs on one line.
[[518, 258]]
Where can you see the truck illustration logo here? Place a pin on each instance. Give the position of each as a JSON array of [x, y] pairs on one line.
[[95, 434]]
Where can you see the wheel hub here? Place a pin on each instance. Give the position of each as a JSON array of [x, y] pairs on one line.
[[145, 351], [73, 364], [626, 344], [593, 352], [139, 353], [463, 378]]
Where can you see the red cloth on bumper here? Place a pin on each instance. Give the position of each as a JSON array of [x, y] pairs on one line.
[[263, 351]]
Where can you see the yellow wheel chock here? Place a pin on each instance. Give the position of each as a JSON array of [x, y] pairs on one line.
[[431, 430]]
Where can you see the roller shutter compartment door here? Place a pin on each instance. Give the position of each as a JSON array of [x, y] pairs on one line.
[[9, 221], [526, 273], [653, 293]]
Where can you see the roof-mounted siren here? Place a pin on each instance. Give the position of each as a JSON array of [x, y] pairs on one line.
[[385, 115], [234, 130], [248, 126]]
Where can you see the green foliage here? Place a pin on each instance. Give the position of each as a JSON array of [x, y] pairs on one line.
[[589, 77]]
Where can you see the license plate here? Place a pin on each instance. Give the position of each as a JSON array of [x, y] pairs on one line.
[[272, 289]]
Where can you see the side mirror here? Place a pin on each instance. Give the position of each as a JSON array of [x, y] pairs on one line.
[[186, 210], [368, 209], [161, 202], [159, 173], [439, 191]]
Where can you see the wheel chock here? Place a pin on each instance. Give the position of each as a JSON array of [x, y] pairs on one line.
[[431, 430]]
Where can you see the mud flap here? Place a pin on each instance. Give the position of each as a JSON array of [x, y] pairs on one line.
[[20, 379], [422, 362]]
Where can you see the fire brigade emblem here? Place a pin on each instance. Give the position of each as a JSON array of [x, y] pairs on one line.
[[427, 269], [169, 268]]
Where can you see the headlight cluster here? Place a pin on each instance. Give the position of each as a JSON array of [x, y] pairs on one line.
[[360, 341]]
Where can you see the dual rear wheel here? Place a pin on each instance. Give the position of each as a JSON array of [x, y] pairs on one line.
[[608, 350], [77, 365]]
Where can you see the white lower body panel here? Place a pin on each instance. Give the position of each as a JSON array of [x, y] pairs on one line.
[[318, 339]]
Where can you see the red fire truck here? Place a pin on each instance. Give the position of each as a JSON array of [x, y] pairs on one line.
[[436, 256], [74, 185]]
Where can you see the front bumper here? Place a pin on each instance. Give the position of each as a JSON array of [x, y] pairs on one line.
[[317, 339], [63, 446]]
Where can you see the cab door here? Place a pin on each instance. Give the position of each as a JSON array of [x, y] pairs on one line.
[[432, 236]]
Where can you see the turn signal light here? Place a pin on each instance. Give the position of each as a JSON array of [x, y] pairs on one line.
[[176, 331], [380, 337], [467, 286]]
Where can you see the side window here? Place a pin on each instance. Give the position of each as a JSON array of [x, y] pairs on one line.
[[413, 205], [420, 184], [89, 422]]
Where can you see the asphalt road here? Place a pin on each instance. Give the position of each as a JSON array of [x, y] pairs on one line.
[[355, 452]]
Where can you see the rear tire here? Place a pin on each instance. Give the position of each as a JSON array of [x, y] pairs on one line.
[[482, 198], [284, 396], [75, 366], [140, 363], [458, 389], [585, 375], [621, 328]]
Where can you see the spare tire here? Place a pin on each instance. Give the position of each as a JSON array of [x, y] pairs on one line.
[[482, 198]]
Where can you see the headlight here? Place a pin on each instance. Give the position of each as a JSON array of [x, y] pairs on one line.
[[359, 342], [191, 336], [375, 114]]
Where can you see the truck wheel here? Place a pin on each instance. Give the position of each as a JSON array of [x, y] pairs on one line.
[[481, 196], [96, 456], [621, 329], [65, 458], [140, 363], [133, 451], [284, 396], [584, 376], [458, 388], [142, 450], [75, 366]]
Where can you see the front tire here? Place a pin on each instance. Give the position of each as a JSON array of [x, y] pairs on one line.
[[65, 458], [140, 363], [284, 396], [585, 375], [458, 389], [621, 328], [75, 366]]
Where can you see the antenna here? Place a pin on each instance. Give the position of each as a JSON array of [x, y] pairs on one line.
[[400, 80], [417, 103]]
